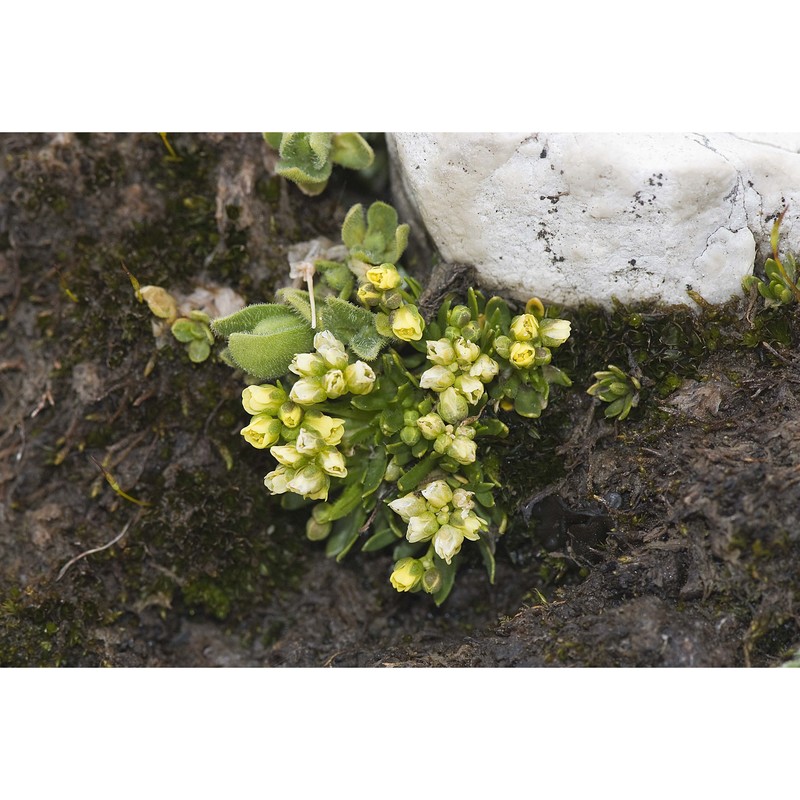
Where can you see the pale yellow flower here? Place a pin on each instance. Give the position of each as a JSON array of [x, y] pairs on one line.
[[262, 399], [524, 328], [407, 324], [407, 574], [522, 354], [263, 431]]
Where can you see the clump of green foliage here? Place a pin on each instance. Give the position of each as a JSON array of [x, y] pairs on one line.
[[618, 389], [780, 285], [375, 417], [193, 330], [307, 159]]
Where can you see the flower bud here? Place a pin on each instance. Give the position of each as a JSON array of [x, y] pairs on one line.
[[431, 425], [392, 300], [484, 369], [543, 356], [441, 352], [410, 435], [368, 295], [442, 443], [360, 378], [437, 378], [502, 346], [462, 450], [263, 431], [308, 365], [471, 331], [524, 328], [470, 387], [263, 399], [554, 332], [447, 542], [465, 431], [432, 580], [277, 480], [317, 531], [308, 391], [290, 414], [522, 355], [393, 472], [334, 384], [459, 316], [384, 277], [331, 461], [407, 574], [437, 493], [408, 506], [421, 527], [310, 482], [452, 406], [407, 324]]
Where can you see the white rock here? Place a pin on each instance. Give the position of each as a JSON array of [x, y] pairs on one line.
[[574, 218]]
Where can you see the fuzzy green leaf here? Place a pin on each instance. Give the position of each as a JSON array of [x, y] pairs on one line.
[[247, 319], [367, 343], [298, 300], [354, 227], [351, 150], [266, 354], [273, 139]]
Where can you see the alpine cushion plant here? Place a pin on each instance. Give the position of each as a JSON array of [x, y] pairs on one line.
[[376, 418]]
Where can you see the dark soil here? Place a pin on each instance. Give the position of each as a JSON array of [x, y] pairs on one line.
[[671, 539]]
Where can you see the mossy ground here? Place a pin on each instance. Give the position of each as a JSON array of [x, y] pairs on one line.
[[670, 538]]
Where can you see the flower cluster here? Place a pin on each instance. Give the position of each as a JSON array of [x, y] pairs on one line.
[[309, 456], [441, 515], [459, 369], [531, 340], [382, 292], [327, 373]]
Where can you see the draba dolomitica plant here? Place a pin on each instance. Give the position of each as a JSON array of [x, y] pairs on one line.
[[374, 419]]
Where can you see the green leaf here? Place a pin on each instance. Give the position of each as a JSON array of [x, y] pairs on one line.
[[351, 150], [367, 343], [273, 139], [347, 501], [379, 540], [487, 551], [413, 477], [376, 467], [298, 299], [555, 376], [184, 330], [247, 319], [529, 403], [448, 572], [344, 319], [354, 227], [268, 355], [345, 535], [199, 350]]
